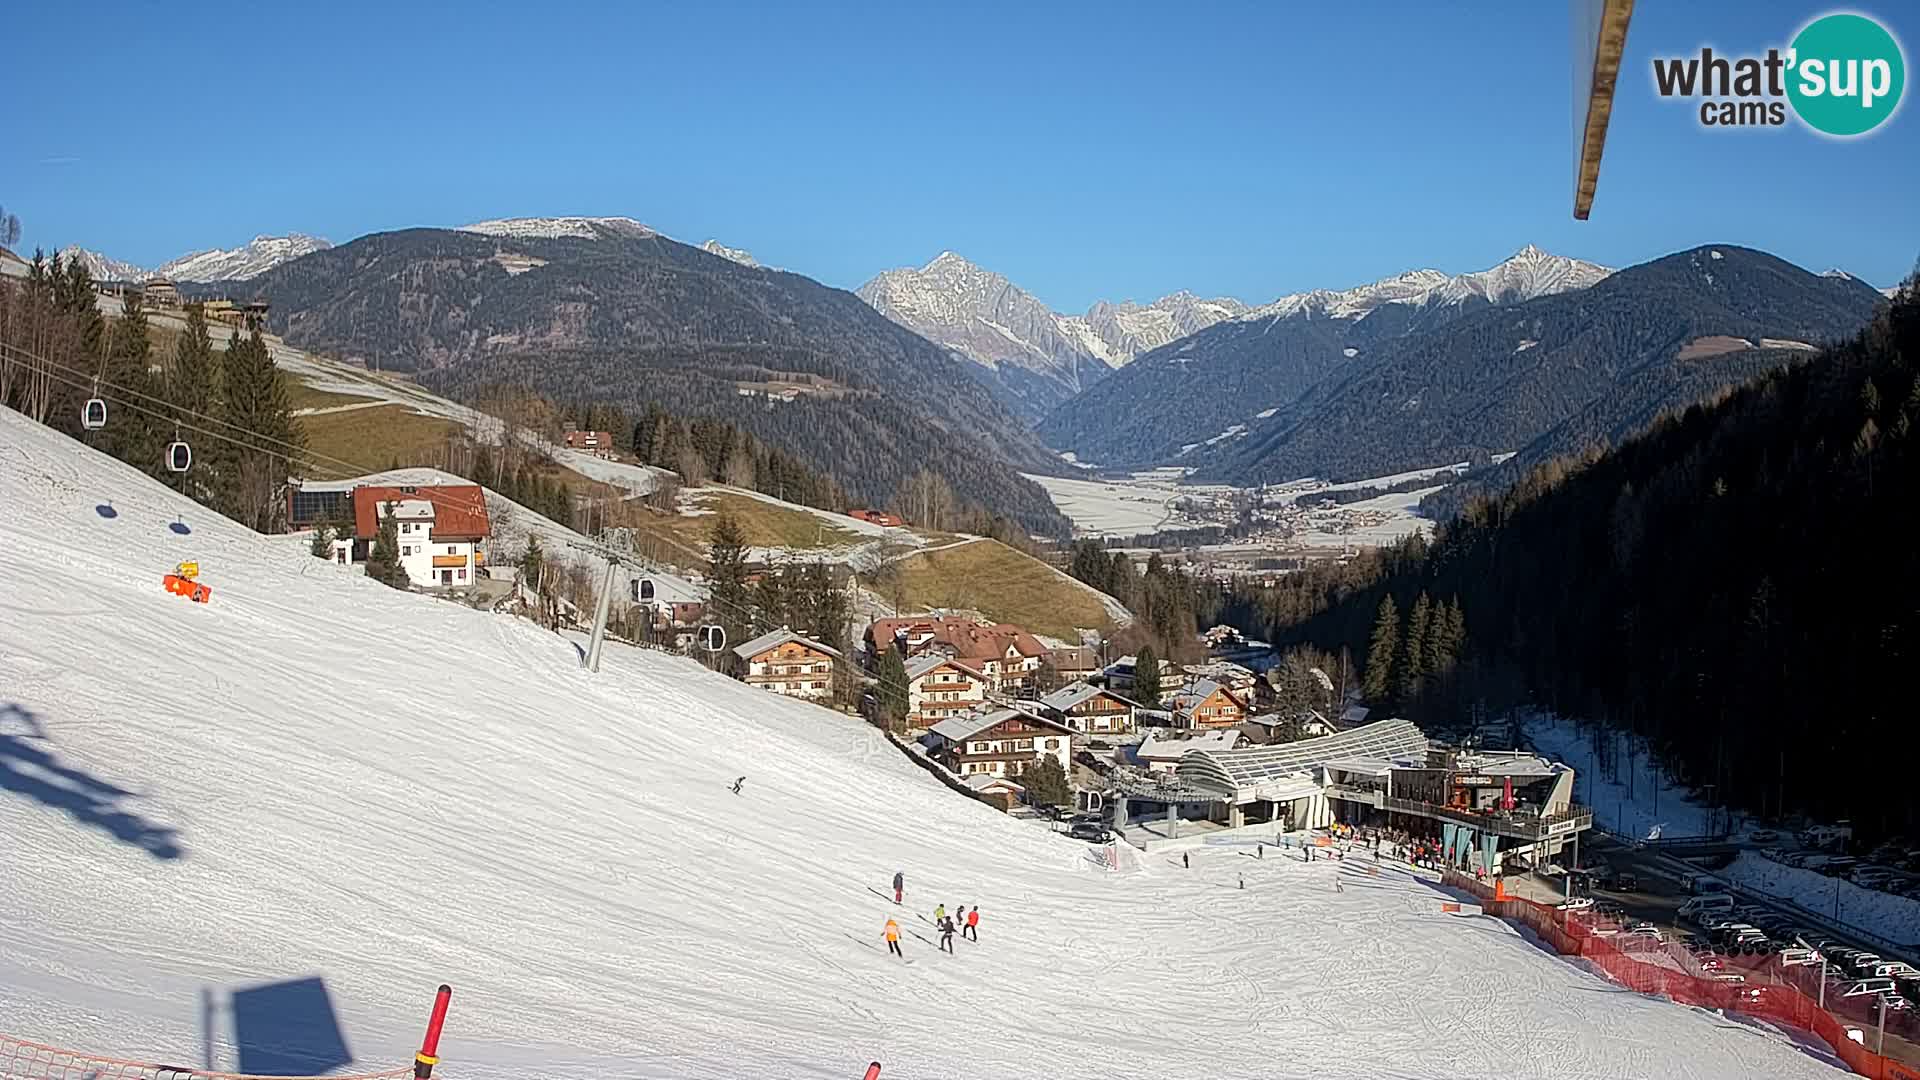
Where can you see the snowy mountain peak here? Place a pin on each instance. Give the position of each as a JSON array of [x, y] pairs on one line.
[[103, 267], [1836, 272], [256, 257], [1527, 273], [739, 255], [988, 319], [551, 228]]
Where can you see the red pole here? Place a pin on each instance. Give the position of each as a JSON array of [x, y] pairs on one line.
[[428, 1057], [873, 1071]]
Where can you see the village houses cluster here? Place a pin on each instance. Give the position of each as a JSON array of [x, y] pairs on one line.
[[985, 701]]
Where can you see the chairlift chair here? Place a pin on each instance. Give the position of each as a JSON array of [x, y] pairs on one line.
[[713, 638], [179, 456], [93, 415], [643, 590]]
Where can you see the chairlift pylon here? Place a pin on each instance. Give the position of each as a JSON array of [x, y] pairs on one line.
[[93, 415], [179, 456], [713, 637]]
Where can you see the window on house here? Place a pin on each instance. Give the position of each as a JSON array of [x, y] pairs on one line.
[[463, 575]]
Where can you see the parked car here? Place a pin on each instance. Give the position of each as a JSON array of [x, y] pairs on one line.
[[1646, 930], [1575, 903], [1091, 831], [1799, 957], [1700, 884], [1626, 881], [1869, 988], [1763, 836], [1703, 910], [1861, 962], [1728, 977]]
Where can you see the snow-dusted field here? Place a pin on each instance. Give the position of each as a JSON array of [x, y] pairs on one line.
[[313, 776], [1110, 507]]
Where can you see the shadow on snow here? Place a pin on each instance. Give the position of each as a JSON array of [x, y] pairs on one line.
[[28, 768]]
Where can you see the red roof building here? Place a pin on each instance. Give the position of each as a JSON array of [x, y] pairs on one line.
[[1008, 656], [439, 529]]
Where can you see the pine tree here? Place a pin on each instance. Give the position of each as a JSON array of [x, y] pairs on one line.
[[132, 436], [1046, 782], [1378, 682], [192, 388], [1437, 658], [322, 545], [1146, 677], [892, 691], [383, 561], [727, 585], [773, 601], [256, 411], [1413, 649], [828, 607], [1456, 636]]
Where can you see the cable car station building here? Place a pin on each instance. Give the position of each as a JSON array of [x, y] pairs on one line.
[[1482, 806]]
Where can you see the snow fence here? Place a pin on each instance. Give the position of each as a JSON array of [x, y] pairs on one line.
[[1769, 990], [22, 1060]]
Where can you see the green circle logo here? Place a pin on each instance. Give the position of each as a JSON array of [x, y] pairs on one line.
[[1847, 74]]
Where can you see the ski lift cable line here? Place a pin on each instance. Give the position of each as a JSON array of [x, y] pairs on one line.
[[182, 425], [289, 449]]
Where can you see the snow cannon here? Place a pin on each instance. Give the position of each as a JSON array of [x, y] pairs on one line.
[[182, 582]]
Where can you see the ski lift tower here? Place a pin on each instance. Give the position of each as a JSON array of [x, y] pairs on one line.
[[712, 637], [1599, 41]]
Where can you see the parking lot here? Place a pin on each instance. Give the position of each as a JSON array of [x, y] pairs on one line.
[[1656, 894]]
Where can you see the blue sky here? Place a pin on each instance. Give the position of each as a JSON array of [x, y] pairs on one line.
[[1084, 150]]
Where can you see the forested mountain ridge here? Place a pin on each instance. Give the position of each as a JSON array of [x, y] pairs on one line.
[[1212, 383], [1732, 584], [622, 314], [1548, 374]]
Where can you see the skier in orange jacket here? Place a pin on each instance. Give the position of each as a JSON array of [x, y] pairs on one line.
[[972, 931], [892, 934]]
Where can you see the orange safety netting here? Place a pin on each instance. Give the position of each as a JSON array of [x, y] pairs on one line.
[[23, 1060], [1765, 987]]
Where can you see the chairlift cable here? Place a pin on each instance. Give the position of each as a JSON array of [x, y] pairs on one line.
[[290, 450]]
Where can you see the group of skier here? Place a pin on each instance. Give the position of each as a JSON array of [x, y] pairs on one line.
[[962, 921]]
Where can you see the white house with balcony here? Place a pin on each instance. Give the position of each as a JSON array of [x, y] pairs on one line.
[[440, 530], [1002, 743], [940, 687]]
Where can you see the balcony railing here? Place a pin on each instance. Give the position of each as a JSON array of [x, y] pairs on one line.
[[1519, 825], [1355, 794]]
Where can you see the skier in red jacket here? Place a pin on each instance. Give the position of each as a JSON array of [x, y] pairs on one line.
[[972, 932]]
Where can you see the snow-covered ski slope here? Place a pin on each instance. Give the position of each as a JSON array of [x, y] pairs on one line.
[[313, 776]]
